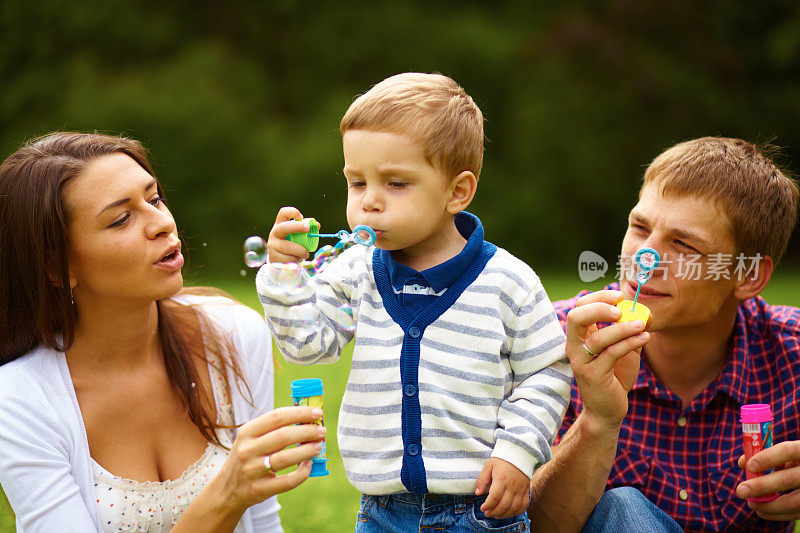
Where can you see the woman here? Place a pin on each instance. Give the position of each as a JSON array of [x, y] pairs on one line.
[[127, 403]]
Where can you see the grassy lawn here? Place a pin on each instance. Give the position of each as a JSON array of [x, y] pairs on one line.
[[331, 503]]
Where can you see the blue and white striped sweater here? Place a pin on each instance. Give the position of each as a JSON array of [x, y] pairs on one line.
[[431, 398]]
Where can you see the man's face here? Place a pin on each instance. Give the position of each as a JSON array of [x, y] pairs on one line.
[[394, 190], [689, 288]]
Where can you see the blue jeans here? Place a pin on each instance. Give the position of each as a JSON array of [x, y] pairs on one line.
[[626, 509], [406, 513]]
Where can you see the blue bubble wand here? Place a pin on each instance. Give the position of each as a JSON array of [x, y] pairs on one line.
[[647, 259]]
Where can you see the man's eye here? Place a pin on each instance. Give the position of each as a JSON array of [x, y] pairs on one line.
[[684, 245]]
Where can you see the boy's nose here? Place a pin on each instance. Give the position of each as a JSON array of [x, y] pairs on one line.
[[371, 201]]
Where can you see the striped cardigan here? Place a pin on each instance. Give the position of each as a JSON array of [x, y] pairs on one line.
[[480, 373]]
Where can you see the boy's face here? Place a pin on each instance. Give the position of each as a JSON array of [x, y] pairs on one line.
[[395, 191], [684, 230]]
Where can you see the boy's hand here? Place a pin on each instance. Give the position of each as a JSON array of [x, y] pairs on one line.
[[283, 251], [509, 491]]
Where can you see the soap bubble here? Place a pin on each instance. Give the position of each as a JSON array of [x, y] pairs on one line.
[[305, 312], [347, 322], [255, 251], [365, 235], [243, 272], [287, 277], [324, 251], [252, 259], [647, 258]]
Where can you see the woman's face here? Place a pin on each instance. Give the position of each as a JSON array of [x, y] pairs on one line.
[[123, 240]]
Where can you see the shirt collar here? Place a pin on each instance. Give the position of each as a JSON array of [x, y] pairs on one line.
[[445, 274], [732, 380]]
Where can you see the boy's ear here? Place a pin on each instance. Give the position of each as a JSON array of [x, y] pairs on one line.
[[754, 282], [461, 191]]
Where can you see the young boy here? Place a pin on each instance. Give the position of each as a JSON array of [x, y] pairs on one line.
[[459, 379]]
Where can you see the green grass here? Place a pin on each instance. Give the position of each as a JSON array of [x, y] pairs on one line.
[[331, 503]]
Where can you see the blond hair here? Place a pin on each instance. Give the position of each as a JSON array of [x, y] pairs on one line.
[[759, 199], [433, 110]]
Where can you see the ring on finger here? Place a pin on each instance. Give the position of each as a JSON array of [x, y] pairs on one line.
[[268, 466], [587, 350]]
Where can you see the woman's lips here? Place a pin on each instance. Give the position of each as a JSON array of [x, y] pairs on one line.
[[171, 262]]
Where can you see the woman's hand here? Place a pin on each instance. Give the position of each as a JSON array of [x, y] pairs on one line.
[[244, 479], [289, 220], [606, 378], [272, 434]]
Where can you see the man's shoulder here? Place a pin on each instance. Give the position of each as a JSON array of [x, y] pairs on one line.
[[777, 320]]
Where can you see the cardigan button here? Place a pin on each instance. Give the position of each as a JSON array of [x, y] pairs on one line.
[[414, 332], [412, 449], [409, 390]]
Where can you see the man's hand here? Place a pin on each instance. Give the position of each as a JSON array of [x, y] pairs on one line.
[[604, 380], [785, 459], [289, 220], [509, 490]]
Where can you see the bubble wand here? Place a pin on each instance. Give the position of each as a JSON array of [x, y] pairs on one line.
[[309, 240], [255, 248], [647, 259]]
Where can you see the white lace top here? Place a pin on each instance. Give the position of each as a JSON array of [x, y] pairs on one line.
[[156, 506]]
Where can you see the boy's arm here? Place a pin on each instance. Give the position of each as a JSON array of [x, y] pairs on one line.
[[530, 416], [310, 318]]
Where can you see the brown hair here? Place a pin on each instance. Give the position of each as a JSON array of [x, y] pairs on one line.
[[758, 197], [35, 300], [433, 110]]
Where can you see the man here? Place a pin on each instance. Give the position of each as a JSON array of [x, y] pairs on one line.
[[665, 427]]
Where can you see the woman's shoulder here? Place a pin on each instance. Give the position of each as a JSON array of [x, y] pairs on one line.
[[39, 364], [33, 381], [220, 308]]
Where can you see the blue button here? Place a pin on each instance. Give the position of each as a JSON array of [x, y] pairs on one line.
[[410, 390], [412, 449], [414, 332]]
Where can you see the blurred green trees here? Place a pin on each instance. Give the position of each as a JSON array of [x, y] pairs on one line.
[[239, 102]]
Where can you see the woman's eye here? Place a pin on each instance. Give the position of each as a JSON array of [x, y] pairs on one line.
[[120, 221], [157, 201]]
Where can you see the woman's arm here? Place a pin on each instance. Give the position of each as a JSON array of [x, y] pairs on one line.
[[36, 469], [565, 491]]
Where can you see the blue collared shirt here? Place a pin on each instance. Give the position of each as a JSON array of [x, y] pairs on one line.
[[417, 290]]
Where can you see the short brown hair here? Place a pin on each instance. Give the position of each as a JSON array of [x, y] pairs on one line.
[[433, 110], [758, 197]]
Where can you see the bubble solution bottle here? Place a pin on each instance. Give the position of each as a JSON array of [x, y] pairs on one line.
[[309, 392], [757, 435]]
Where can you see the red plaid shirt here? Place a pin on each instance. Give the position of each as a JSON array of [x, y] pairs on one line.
[[685, 460]]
